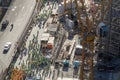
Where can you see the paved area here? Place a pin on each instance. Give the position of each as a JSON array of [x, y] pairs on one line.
[[18, 14]]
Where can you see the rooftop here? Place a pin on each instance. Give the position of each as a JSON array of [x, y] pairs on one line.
[[45, 37], [51, 40], [53, 27]]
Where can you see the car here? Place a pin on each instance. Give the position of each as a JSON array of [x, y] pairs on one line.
[[4, 24], [7, 47]]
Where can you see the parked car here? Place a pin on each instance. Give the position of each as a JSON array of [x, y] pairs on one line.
[[7, 47], [4, 24]]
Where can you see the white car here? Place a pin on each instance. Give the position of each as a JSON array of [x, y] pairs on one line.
[[7, 47]]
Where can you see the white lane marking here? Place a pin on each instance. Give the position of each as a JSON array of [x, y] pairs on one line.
[[13, 9], [23, 7], [31, 7]]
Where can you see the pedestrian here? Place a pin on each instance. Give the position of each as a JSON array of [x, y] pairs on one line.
[[11, 27]]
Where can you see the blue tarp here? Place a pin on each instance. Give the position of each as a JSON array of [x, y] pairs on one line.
[[101, 24], [65, 62], [105, 28], [76, 63]]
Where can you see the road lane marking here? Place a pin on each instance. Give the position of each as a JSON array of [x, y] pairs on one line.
[[31, 7], [13, 9], [23, 7]]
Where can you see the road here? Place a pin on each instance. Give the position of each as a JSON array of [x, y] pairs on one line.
[[19, 14]]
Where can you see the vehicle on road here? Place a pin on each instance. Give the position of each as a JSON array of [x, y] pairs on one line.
[[4, 25], [7, 47]]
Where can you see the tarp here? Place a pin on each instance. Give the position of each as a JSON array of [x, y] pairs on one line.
[[103, 26], [76, 63], [65, 62]]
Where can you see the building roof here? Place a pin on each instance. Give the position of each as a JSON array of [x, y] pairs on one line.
[[45, 37], [49, 20], [53, 27], [51, 40]]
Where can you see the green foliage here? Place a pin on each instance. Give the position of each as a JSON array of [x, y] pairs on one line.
[[35, 58]]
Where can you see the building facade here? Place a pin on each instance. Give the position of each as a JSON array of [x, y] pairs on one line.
[[110, 44]]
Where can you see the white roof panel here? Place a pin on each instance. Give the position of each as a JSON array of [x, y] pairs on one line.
[[45, 36]]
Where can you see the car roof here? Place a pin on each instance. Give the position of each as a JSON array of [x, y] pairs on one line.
[[6, 46], [7, 43], [4, 22]]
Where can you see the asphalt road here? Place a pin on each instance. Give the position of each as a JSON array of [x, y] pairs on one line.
[[19, 14]]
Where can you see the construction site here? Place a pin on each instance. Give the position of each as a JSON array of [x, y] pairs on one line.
[[71, 40]]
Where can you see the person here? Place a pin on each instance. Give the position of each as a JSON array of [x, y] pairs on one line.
[[11, 27]]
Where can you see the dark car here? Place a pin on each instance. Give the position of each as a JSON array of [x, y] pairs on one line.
[[4, 24]]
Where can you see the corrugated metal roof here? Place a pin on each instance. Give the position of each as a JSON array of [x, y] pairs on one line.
[[45, 37], [53, 27]]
